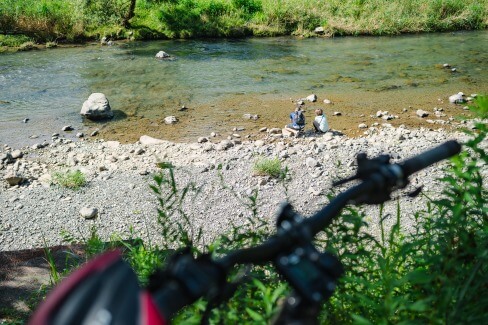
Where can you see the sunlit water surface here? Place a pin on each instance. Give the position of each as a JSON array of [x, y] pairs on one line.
[[215, 78]]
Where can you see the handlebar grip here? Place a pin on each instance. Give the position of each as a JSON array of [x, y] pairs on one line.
[[427, 158]]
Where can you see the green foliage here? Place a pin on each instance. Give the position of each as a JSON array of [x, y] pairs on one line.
[[434, 274], [41, 20], [268, 167], [268, 296], [13, 40], [51, 20], [106, 12], [143, 258], [248, 6], [203, 18], [53, 270], [73, 179]]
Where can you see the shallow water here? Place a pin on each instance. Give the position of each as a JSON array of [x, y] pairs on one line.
[[220, 80]]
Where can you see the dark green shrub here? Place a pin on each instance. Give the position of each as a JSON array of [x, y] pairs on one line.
[[248, 6]]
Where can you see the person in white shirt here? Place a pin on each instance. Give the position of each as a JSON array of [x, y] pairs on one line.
[[320, 122]]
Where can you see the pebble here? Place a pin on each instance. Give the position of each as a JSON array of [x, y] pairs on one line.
[[422, 113], [89, 212]]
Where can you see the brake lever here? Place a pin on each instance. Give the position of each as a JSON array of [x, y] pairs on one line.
[[415, 192], [366, 167]]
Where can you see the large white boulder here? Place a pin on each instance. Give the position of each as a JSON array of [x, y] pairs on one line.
[[96, 107]]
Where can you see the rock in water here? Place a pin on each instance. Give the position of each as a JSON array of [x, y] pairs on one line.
[[251, 116], [312, 98], [162, 55], [457, 98], [96, 107], [170, 120], [422, 113]]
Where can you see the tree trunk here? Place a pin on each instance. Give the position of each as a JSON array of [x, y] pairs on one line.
[[130, 13]]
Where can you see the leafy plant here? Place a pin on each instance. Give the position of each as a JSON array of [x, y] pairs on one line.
[[268, 167], [176, 226], [54, 274], [432, 275], [13, 40], [73, 179]]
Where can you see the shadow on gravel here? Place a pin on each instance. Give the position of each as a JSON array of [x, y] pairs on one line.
[[23, 275]]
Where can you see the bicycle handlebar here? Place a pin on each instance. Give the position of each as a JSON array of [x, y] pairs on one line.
[[425, 159]]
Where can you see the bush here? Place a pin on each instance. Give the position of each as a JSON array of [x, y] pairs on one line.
[[14, 40], [27, 46], [70, 179], [436, 274], [50, 45], [267, 167]]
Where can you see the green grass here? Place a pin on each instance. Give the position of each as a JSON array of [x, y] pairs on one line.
[[13, 40], [74, 20], [267, 167], [73, 179]]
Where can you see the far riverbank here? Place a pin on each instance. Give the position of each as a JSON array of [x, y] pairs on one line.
[[30, 21]]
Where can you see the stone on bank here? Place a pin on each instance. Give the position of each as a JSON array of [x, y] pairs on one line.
[[88, 212]]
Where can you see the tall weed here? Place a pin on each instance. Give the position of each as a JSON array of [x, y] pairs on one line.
[[177, 229]]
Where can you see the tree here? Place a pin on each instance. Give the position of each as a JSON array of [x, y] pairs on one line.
[[130, 13]]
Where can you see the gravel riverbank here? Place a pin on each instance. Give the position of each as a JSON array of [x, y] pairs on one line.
[[36, 212]]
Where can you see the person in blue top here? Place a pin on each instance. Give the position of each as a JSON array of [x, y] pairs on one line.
[[297, 119]]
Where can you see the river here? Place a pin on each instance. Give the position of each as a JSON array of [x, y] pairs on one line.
[[220, 80]]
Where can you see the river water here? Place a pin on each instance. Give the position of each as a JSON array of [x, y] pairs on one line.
[[220, 80]]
